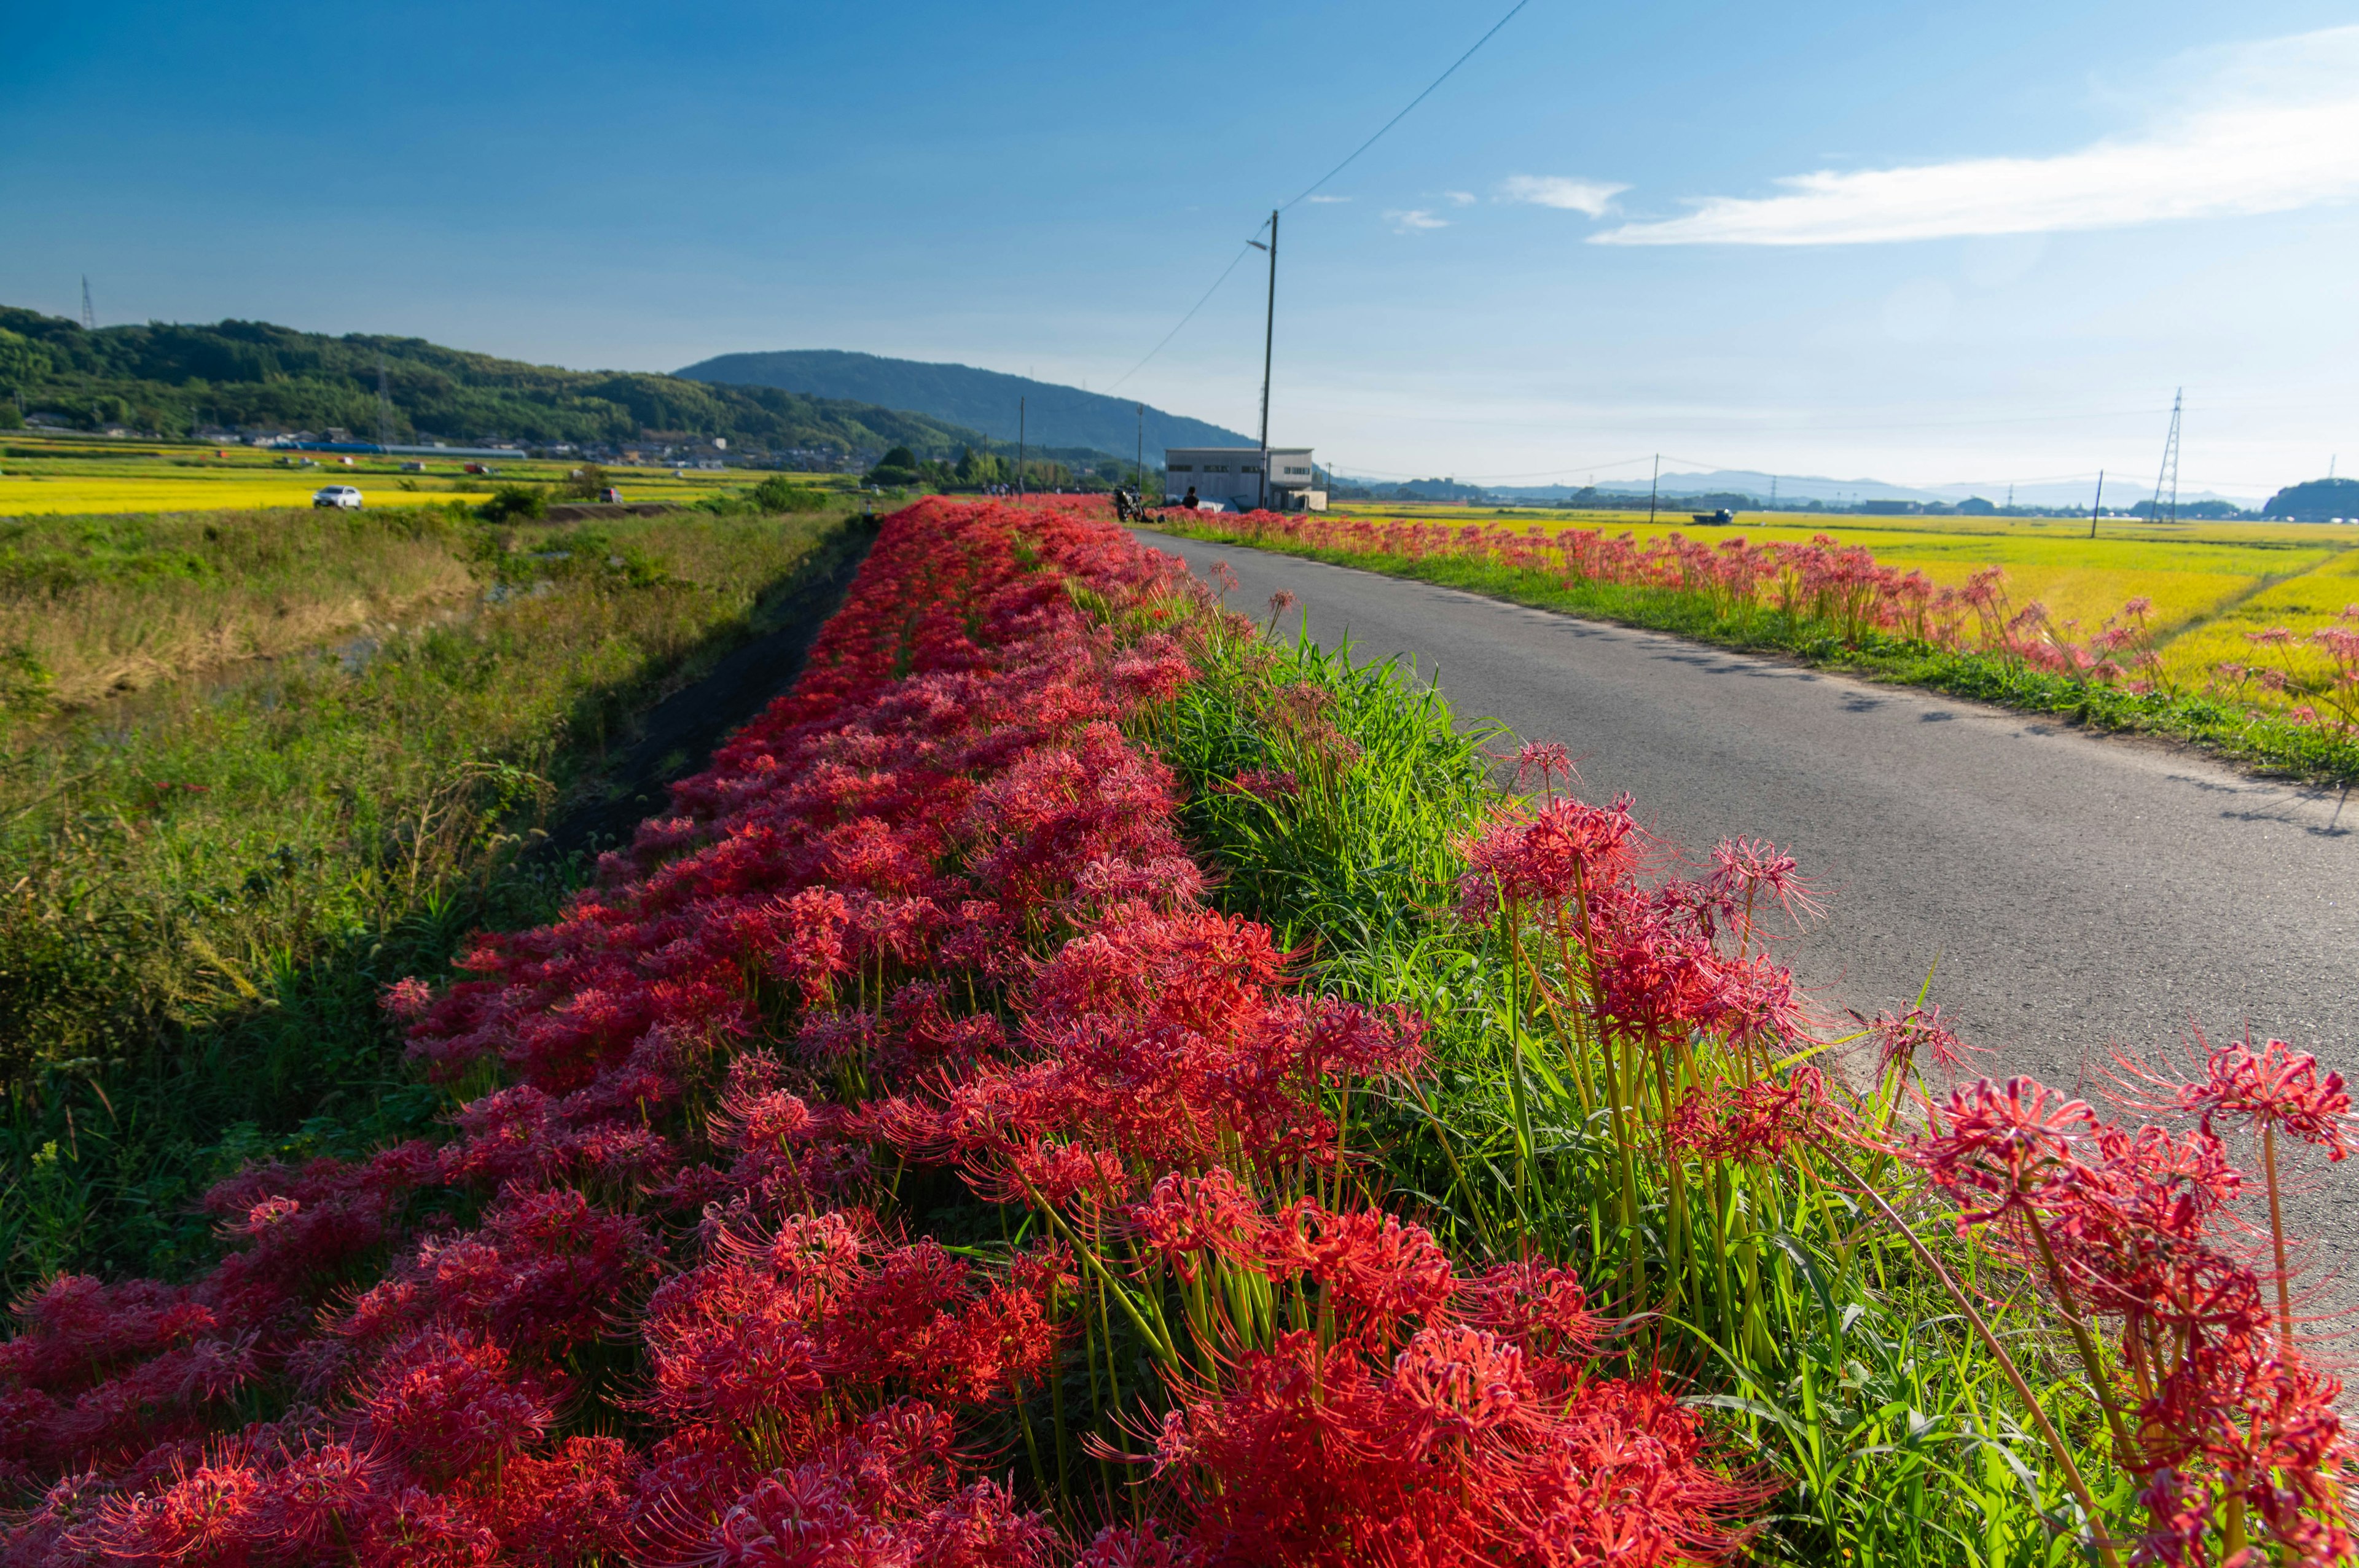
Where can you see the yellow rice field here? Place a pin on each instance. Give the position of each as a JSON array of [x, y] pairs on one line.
[[2246, 575], [45, 477]]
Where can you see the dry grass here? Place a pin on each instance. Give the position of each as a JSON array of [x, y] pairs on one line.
[[93, 606]]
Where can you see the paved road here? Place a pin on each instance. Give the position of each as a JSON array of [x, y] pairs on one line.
[[2078, 892]]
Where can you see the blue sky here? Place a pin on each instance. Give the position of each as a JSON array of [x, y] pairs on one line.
[[1928, 244]]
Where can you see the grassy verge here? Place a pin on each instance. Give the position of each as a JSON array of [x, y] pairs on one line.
[[2257, 738], [1767, 1287], [205, 884]]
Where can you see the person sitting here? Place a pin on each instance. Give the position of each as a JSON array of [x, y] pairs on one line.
[[1189, 501]]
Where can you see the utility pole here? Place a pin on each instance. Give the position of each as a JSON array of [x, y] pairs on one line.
[[2097, 505], [89, 317], [1654, 488], [1268, 339], [1141, 465], [384, 406], [2170, 469], [1019, 448]]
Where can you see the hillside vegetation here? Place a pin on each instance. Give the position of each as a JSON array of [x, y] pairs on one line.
[[172, 379], [962, 395]]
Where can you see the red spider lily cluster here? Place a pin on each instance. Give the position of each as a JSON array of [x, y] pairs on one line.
[[2229, 1429], [922, 948], [1843, 588], [2317, 674], [1680, 1029]]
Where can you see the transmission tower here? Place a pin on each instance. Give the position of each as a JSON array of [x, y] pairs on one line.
[[384, 406], [2169, 474], [89, 317]]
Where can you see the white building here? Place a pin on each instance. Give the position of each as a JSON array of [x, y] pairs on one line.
[[1231, 477]]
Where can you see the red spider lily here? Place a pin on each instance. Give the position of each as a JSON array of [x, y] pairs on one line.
[[2021, 1145], [445, 1401], [1753, 1123], [1901, 1038], [1745, 869], [1547, 760], [2276, 1086], [1554, 853], [1331, 1456]]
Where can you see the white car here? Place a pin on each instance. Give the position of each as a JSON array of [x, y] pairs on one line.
[[343, 495]]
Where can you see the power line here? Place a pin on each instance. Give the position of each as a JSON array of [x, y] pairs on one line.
[[1249, 245], [1413, 102], [1243, 251]]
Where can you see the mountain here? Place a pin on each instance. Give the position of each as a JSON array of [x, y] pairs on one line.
[[2071, 495], [984, 399], [255, 376]]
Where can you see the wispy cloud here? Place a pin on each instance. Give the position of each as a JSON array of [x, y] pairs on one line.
[[1414, 219], [1459, 198], [1594, 197], [1327, 200], [2274, 126]]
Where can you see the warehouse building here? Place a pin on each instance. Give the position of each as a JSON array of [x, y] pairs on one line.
[[1230, 477]]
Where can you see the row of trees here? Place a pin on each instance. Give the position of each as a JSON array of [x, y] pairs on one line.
[[978, 469]]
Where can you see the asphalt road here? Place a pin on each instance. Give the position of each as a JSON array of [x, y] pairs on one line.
[[2078, 892]]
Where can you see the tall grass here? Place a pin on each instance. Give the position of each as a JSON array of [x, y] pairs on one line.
[[1781, 1297], [205, 885], [92, 606]]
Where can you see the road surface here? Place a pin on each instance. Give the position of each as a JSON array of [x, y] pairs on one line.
[[2078, 892]]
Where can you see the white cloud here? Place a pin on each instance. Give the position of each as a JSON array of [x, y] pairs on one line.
[[1327, 200], [2273, 127], [1413, 220], [1460, 198], [1594, 197]]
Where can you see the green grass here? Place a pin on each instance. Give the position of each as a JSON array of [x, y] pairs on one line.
[[1832, 1355], [2260, 738], [204, 885]]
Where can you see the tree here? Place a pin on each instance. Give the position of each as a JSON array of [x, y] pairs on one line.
[[978, 469], [510, 502], [779, 493], [895, 469], [2315, 501], [588, 482], [22, 365]]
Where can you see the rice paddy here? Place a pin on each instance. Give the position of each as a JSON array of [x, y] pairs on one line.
[[46, 476], [2210, 582]]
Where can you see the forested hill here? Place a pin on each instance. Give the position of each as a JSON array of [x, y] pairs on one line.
[[984, 399], [251, 374]]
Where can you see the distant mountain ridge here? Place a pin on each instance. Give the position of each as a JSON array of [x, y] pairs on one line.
[[1818, 487], [985, 400]]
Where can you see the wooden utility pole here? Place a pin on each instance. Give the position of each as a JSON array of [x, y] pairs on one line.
[[1019, 448], [1268, 338], [1654, 488], [2097, 505]]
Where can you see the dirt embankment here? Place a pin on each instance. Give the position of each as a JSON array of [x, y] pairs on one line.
[[675, 737]]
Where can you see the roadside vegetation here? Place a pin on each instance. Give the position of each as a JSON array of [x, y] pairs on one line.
[[2267, 676], [258, 764], [1084, 1083]]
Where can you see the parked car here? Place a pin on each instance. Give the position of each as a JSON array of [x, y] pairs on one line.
[[343, 495], [611, 496]]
